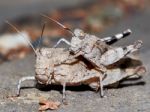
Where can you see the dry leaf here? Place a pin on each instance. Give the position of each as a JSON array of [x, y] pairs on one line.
[[45, 105], [12, 98]]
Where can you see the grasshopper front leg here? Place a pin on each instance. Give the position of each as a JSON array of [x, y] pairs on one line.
[[22, 80], [64, 93], [62, 40], [101, 87]]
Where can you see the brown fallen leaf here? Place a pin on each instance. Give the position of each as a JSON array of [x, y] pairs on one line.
[[45, 105], [12, 98]]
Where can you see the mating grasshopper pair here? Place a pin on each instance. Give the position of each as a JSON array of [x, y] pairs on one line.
[[87, 61]]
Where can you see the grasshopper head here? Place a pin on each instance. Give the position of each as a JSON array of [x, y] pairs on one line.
[[79, 33], [41, 65], [76, 41]]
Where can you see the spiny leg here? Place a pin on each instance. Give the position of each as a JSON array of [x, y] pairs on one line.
[[132, 48], [114, 55], [136, 46], [62, 40], [138, 71], [115, 38], [22, 80]]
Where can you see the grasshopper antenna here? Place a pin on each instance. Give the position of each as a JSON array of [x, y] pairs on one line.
[[43, 27], [66, 28], [21, 35]]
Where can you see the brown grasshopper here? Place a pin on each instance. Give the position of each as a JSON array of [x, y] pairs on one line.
[[46, 61], [97, 51], [75, 71]]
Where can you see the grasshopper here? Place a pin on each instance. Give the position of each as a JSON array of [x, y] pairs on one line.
[[97, 51], [47, 65], [75, 71]]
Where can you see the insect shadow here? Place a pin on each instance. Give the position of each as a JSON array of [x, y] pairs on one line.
[[59, 88], [128, 82]]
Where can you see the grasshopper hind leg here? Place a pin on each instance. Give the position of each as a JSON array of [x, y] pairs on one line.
[[22, 80], [111, 40], [113, 55]]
